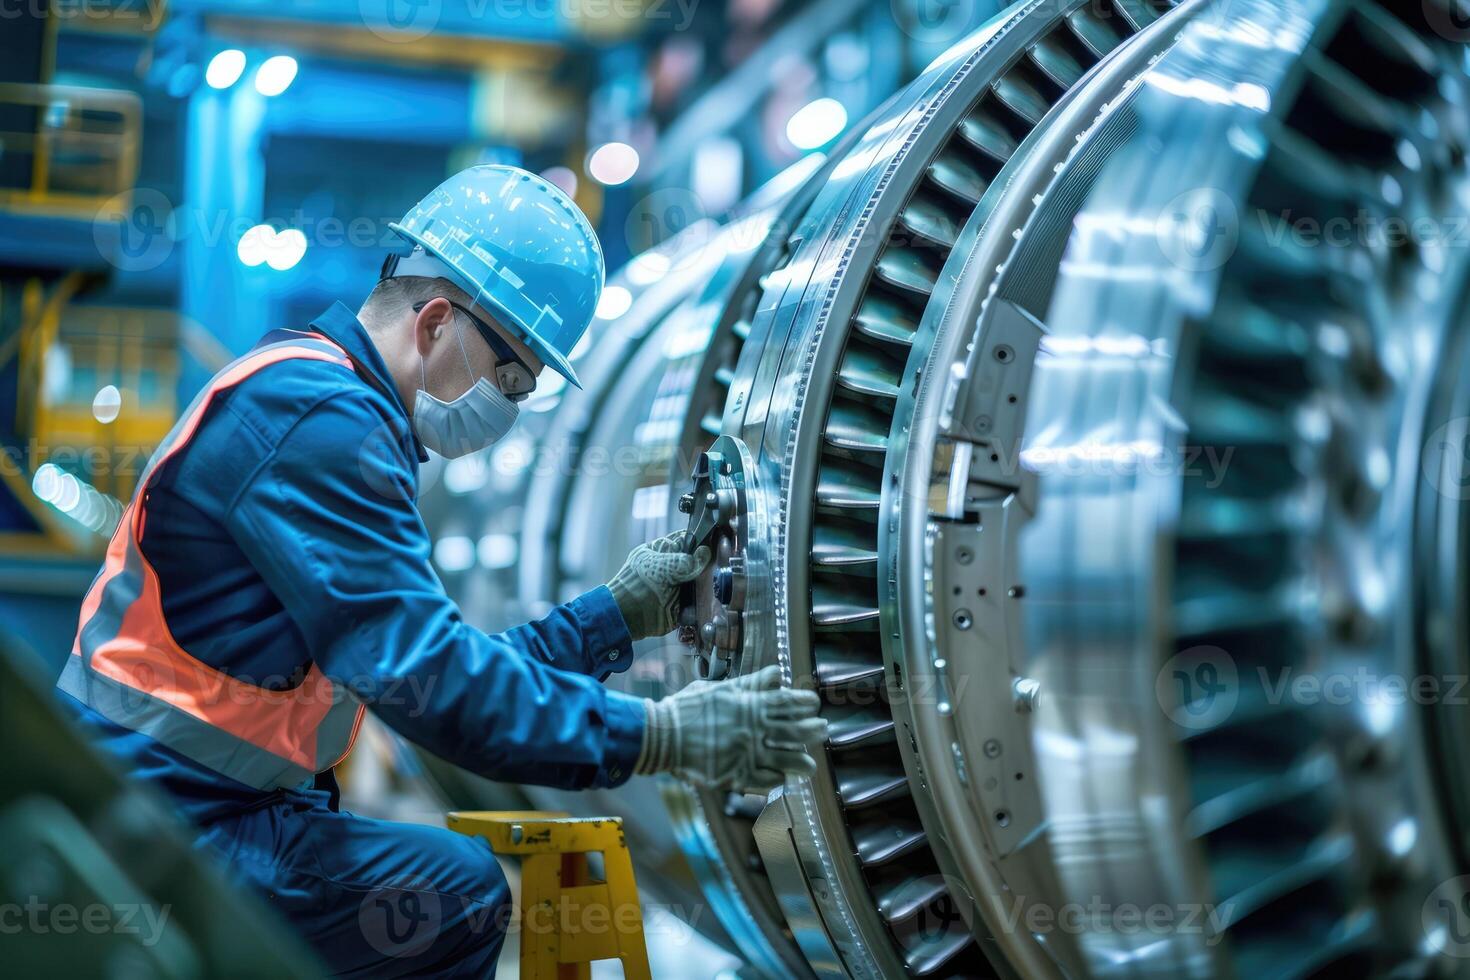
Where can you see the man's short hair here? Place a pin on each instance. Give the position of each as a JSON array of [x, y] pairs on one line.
[[391, 298]]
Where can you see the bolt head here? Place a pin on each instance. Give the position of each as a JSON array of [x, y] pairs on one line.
[[1027, 693]]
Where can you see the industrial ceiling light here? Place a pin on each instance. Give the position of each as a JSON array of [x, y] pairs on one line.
[[613, 164], [816, 124], [276, 75], [225, 68], [649, 268], [281, 251], [614, 303], [107, 404], [254, 244], [287, 250], [455, 553]]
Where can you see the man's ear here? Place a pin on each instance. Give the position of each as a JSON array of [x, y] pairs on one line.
[[430, 323]]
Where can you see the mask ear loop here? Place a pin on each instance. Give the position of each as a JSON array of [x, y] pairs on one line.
[[459, 336], [424, 361]]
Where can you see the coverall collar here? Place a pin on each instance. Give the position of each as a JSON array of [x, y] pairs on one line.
[[341, 326]]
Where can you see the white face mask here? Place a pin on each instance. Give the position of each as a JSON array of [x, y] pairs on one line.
[[476, 419]]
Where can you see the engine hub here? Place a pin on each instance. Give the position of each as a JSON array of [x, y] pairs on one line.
[[712, 607]]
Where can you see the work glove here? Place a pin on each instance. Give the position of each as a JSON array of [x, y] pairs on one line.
[[744, 734], [646, 588]]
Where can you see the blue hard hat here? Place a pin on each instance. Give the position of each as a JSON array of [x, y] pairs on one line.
[[518, 245]]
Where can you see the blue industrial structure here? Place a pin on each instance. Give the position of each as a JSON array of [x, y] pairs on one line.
[[146, 191]]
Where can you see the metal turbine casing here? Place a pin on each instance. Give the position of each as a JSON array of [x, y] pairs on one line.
[[986, 291], [858, 904]]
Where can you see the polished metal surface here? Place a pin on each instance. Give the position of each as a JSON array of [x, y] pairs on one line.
[[1047, 444], [1172, 601]]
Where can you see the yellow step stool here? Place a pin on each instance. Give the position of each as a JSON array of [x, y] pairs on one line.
[[567, 920]]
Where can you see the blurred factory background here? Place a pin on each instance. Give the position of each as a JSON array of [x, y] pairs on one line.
[[1056, 438], [179, 177]]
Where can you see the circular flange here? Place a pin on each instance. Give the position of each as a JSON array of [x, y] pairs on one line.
[[718, 506]]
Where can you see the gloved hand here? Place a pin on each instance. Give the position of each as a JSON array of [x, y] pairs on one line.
[[742, 734], [646, 588]]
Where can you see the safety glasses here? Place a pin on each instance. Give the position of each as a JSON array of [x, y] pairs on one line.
[[513, 375]]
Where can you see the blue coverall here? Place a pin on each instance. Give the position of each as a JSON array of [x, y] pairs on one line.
[[286, 533]]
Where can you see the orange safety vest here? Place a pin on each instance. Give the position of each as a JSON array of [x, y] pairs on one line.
[[126, 665]]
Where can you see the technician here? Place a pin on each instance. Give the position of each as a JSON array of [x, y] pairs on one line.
[[270, 581]]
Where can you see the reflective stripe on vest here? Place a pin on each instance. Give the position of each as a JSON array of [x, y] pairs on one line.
[[126, 665]]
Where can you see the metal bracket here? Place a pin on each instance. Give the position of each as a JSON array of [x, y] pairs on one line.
[[989, 404], [980, 496]]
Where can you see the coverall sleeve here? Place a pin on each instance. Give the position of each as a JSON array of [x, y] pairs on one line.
[[329, 520], [587, 635]]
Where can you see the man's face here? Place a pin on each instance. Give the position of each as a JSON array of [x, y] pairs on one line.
[[457, 356]]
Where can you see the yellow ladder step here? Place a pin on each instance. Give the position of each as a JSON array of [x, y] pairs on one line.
[[567, 919]]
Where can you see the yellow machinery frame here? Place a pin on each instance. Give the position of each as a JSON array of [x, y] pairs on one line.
[[102, 126]]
